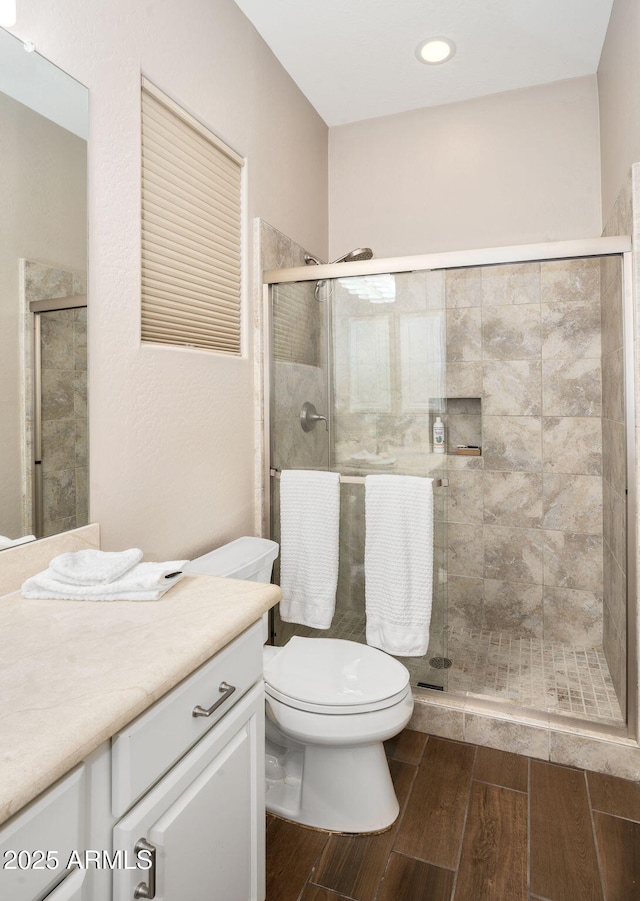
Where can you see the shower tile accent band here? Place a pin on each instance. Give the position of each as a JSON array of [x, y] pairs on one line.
[[359, 480]]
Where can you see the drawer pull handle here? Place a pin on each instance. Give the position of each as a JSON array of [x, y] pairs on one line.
[[226, 689], [144, 890]]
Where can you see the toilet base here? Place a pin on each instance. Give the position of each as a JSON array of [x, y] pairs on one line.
[[346, 789]]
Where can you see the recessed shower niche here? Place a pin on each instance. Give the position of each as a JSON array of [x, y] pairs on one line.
[[524, 361]]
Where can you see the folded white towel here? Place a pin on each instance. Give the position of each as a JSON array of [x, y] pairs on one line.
[[13, 542], [143, 582], [398, 563], [93, 567], [309, 541]]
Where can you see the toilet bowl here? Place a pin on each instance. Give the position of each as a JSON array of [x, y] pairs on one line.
[[330, 705]]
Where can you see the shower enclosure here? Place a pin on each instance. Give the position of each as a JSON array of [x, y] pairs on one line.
[[526, 355]]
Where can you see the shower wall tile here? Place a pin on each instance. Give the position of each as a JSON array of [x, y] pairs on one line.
[[511, 333], [517, 283], [58, 393], [57, 339], [464, 342], [512, 443], [573, 560], [572, 445], [58, 444], [465, 497], [613, 386], [614, 458], [612, 322], [59, 495], [80, 394], [513, 555], [465, 555], [80, 340], [464, 603], [512, 388], [614, 523], [43, 281], [572, 503], [571, 388], [463, 379], [463, 287], [81, 449], [573, 617], [513, 607], [614, 594], [570, 330], [615, 651], [570, 280], [513, 499]]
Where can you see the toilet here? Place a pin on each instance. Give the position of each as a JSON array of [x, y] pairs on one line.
[[330, 704]]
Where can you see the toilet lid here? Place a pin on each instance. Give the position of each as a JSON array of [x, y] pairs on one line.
[[331, 672]]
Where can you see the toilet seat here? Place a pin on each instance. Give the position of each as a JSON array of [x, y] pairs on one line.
[[334, 676]]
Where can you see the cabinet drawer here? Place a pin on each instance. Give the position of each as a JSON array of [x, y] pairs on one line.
[[154, 741], [53, 823]]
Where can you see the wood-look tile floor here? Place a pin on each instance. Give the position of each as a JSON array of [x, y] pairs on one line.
[[475, 825]]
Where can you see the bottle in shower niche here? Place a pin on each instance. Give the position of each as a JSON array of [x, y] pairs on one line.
[[438, 436]]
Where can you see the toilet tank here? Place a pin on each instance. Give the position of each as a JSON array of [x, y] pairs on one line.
[[245, 558]]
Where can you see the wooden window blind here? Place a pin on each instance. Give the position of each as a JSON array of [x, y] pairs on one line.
[[191, 230]]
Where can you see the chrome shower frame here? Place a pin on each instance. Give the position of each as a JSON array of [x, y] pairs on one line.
[[592, 247]]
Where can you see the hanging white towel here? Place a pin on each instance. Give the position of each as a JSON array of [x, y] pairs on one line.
[[143, 582], [93, 567], [309, 540], [398, 563]]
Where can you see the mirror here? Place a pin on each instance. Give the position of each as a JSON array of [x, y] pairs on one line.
[[43, 267]]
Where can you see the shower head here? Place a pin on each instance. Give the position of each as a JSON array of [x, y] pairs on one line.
[[362, 253]]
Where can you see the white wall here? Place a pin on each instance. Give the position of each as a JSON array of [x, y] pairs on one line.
[[619, 90], [171, 434], [511, 168], [42, 217]]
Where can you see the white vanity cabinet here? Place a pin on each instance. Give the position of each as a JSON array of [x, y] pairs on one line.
[[201, 824], [183, 782], [38, 844]]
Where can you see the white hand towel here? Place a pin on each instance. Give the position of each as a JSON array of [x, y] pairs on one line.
[[92, 567], [143, 582], [398, 563], [309, 540]]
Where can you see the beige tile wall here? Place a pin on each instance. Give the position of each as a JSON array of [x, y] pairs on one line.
[[525, 529]]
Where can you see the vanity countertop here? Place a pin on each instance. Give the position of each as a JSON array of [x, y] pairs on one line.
[[73, 673]]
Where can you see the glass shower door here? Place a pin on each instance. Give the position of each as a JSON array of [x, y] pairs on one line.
[[388, 387]]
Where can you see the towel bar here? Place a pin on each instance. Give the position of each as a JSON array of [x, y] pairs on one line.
[[359, 480]]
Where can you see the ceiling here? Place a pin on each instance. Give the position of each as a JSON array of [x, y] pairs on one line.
[[355, 59]]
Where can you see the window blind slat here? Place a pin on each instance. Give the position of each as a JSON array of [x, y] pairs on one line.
[[161, 240], [181, 301], [191, 229], [178, 263], [171, 173], [168, 141]]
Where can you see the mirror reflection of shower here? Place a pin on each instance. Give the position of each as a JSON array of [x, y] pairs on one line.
[[354, 256]]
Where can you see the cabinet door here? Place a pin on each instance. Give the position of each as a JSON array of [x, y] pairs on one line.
[[205, 818], [71, 889]]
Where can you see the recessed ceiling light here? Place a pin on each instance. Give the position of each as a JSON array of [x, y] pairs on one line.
[[434, 51]]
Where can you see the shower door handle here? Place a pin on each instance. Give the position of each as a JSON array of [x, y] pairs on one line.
[[309, 416]]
